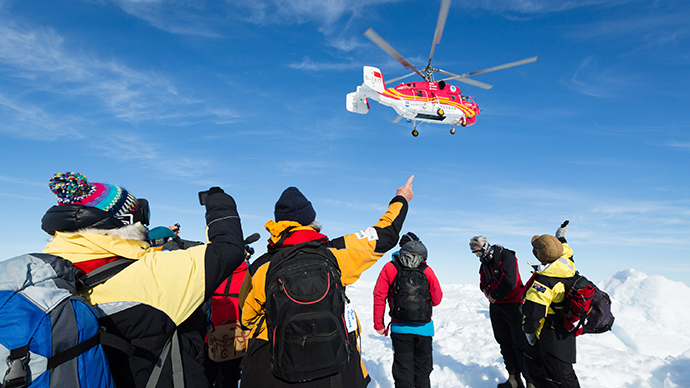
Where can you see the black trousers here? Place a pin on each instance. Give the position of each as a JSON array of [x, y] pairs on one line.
[[224, 374], [256, 372], [506, 321], [412, 360], [547, 371]]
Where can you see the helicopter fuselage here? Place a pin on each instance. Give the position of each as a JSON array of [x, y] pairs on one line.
[[430, 102]]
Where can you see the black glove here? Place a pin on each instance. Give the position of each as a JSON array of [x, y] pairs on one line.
[[215, 190], [407, 237]]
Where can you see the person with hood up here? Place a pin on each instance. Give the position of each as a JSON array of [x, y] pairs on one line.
[[412, 341], [146, 302], [551, 352], [295, 223], [499, 280]]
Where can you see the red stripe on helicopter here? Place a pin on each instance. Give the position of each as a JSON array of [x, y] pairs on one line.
[[377, 74]]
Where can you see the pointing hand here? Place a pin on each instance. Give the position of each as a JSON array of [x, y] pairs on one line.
[[406, 190]]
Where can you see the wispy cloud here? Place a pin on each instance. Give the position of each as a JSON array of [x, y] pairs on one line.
[[29, 121], [20, 181], [678, 144], [187, 17], [89, 99], [308, 64], [123, 147], [203, 18], [594, 80], [39, 60], [528, 7]]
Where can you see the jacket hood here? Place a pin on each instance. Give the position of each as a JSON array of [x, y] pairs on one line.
[[71, 218], [276, 229], [92, 244]]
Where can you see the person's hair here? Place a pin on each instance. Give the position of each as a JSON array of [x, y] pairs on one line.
[[315, 224]]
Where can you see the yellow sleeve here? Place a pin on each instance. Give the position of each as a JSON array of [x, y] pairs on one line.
[[357, 252], [253, 307]]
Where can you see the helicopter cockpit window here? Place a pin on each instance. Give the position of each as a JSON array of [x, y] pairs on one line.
[[453, 98], [419, 93]]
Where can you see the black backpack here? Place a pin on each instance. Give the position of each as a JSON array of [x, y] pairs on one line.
[[587, 308], [305, 308], [410, 299]]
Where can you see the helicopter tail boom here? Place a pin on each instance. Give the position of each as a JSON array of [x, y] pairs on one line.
[[373, 85], [373, 78]]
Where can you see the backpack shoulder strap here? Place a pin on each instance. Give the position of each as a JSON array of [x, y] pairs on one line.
[[398, 266], [172, 347], [226, 292], [102, 273]]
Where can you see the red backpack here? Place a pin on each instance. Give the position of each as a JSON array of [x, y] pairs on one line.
[[587, 308]]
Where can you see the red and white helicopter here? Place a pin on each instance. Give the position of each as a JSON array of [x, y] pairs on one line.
[[428, 101]]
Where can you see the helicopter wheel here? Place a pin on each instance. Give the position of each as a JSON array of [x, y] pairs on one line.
[[452, 131], [464, 123], [415, 133], [440, 112]]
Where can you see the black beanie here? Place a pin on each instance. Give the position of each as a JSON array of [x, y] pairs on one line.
[[294, 206]]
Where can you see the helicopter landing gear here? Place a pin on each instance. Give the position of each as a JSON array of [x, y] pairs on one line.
[[440, 112], [463, 122], [452, 130], [415, 133]]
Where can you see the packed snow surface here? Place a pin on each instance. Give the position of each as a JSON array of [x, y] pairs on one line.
[[649, 345]]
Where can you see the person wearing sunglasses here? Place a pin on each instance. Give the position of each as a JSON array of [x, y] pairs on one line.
[[499, 280]]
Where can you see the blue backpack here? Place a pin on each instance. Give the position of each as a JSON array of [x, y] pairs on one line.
[[49, 335]]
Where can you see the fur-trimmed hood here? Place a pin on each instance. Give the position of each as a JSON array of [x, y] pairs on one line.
[[137, 232], [91, 243]]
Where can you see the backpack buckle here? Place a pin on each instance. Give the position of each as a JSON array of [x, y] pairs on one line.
[[18, 374]]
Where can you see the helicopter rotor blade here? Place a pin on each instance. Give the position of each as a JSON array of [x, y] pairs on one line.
[[383, 45], [399, 78], [462, 78], [440, 25], [500, 67], [474, 83]]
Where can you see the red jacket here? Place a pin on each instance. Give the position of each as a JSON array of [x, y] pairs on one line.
[[382, 291], [500, 276], [224, 302]]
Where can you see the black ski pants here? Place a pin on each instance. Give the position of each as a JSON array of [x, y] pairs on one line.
[[224, 374], [547, 371], [412, 360], [506, 321]]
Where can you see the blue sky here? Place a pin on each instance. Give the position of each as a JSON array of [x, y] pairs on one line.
[[167, 98]]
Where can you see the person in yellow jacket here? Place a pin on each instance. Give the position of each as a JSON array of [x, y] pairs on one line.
[[551, 352], [149, 303], [295, 224]]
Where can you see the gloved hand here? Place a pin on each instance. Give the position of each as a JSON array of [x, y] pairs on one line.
[[215, 190], [561, 231], [407, 237], [531, 338]]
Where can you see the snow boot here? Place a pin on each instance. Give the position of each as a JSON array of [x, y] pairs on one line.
[[514, 381]]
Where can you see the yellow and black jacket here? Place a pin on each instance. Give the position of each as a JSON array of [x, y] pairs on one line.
[[147, 301], [354, 252], [544, 304]]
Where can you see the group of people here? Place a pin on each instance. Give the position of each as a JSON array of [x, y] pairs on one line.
[[526, 319], [290, 304]]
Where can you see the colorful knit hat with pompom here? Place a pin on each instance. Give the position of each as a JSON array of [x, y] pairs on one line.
[[72, 188]]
